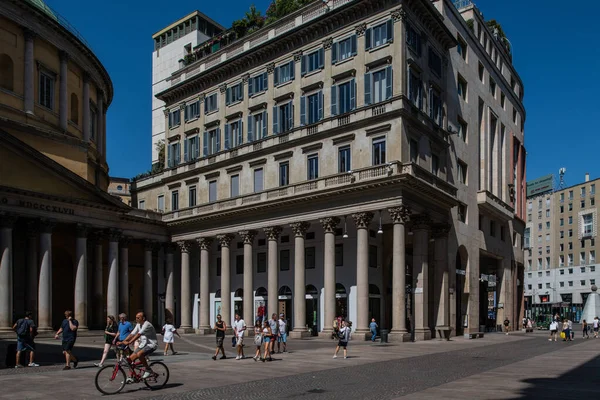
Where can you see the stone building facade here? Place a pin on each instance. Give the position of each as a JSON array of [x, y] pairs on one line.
[[362, 158]]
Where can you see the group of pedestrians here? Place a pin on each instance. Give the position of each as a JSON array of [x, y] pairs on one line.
[[564, 328]]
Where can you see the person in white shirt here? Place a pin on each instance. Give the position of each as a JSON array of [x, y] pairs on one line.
[[145, 332], [239, 327], [169, 332], [282, 338], [595, 325], [553, 330]]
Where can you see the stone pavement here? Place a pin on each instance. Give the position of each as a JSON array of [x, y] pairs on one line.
[[497, 366]]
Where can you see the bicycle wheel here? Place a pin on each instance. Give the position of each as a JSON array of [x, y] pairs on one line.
[[160, 376], [110, 379]]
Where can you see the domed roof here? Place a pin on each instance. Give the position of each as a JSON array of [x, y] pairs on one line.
[[41, 5]]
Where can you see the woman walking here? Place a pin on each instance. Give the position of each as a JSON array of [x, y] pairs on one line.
[[169, 332], [110, 333], [266, 334], [566, 331], [553, 330], [258, 340], [586, 335]]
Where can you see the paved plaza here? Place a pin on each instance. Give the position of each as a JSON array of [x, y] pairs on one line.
[[516, 366]]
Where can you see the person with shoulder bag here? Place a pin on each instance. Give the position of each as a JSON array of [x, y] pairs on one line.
[[258, 339], [26, 331]]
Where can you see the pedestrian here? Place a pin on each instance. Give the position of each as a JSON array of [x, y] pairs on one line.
[[529, 325], [169, 332], [239, 327], [566, 331], [506, 324], [110, 333], [553, 330], [274, 325], [125, 328], [26, 332], [68, 329], [282, 337], [266, 334], [525, 323], [571, 332], [373, 328], [344, 337], [260, 312], [258, 340], [586, 335], [595, 325], [220, 328]]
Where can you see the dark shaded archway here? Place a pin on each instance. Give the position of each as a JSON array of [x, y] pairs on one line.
[[462, 298], [63, 284]]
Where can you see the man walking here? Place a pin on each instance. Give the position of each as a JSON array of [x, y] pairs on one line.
[[274, 324], [125, 328], [373, 328], [595, 325], [239, 326], [68, 329], [26, 331], [282, 333]]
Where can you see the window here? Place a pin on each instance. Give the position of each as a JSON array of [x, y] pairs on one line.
[[462, 130], [570, 283], [309, 258], [502, 100], [570, 220], [562, 284], [547, 237], [234, 94], [343, 97], [239, 264], [379, 35], [46, 89], [235, 185], [582, 191], [284, 73], [378, 86], [435, 106], [212, 191], [547, 285], [561, 247], [284, 260], [493, 228], [210, 103], [311, 108], [592, 257], [593, 189], [547, 225], [547, 213], [344, 159], [582, 282], [539, 265], [413, 39], [312, 61], [582, 205], [462, 213], [527, 235], [261, 262], [212, 142], [415, 88], [284, 174], [234, 135], [413, 150], [548, 265], [529, 287], [570, 245], [539, 285], [175, 200], [592, 281], [343, 49], [435, 62], [588, 224], [373, 256], [378, 151], [258, 84], [461, 172], [173, 154], [570, 207], [592, 268], [561, 261], [562, 209], [562, 222], [435, 164], [462, 87], [493, 87], [6, 72], [570, 232], [481, 72], [283, 117], [570, 195], [192, 196], [570, 262], [192, 110], [142, 204], [191, 148], [339, 255], [313, 167], [461, 48], [161, 203], [582, 269], [257, 126], [258, 180], [592, 201]]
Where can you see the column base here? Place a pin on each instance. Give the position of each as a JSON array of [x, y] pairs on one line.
[[83, 328], [204, 330], [326, 333], [229, 331], [186, 329], [6, 329], [422, 334], [299, 334], [45, 329], [399, 337]]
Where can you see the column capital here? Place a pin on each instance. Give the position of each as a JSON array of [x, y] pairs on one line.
[[360, 29], [225, 239], [248, 236], [329, 224], [32, 227], [149, 245], [29, 34], [7, 220], [82, 230], [169, 247], [273, 232], [64, 56], [440, 231], [270, 68], [98, 235], [421, 221], [327, 43], [46, 225], [86, 77], [300, 228], [400, 214], [297, 56], [114, 235], [362, 219], [398, 14], [204, 242], [124, 241], [185, 246]]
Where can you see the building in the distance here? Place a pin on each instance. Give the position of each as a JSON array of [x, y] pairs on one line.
[[355, 157], [561, 244], [120, 188]]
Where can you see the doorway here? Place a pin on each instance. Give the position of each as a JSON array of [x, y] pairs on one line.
[[260, 305], [238, 302], [285, 305], [312, 309], [341, 302], [374, 303]]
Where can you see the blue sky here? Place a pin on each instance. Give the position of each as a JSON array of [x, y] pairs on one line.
[[553, 47]]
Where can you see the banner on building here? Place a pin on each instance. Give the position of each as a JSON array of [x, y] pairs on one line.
[[541, 185]]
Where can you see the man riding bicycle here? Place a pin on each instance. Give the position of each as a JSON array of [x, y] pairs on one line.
[[145, 332]]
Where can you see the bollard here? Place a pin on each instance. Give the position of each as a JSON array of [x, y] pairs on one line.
[[384, 335]]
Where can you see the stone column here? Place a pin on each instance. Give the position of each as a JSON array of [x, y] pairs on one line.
[[362, 221], [329, 225], [32, 267], [81, 279], [98, 281], [86, 109], [505, 293], [45, 285], [225, 241], [299, 229], [63, 104], [169, 282], [399, 216], [442, 280], [6, 272], [185, 299], [205, 323], [148, 304], [112, 289], [272, 233], [104, 133], [124, 275], [421, 224], [101, 138], [28, 73], [248, 238]]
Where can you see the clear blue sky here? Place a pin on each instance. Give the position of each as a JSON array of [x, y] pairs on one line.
[[555, 52]]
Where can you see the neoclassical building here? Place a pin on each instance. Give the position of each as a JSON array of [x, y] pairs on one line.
[[65, 243], [357, 157]]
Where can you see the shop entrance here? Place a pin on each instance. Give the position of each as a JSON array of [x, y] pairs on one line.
[[312, 309], [285, 305], [260, 305], [374, 303], [341, 302], [238, 303]]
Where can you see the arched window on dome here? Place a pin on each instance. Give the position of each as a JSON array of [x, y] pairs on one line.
[[6, 72], [74, 109]]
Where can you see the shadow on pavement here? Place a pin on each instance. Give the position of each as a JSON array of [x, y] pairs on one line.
[[579, 383], [48, 354]]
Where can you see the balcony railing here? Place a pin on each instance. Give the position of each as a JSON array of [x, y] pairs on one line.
[[462, 4]]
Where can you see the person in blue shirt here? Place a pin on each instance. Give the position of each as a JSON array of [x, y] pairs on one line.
[[125, 328], [373, 327], [68, 329]]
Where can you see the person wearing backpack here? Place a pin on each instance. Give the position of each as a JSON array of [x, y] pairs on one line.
[[26, 331]]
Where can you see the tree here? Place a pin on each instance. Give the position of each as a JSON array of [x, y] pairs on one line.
[[160, 164], [254, 20]]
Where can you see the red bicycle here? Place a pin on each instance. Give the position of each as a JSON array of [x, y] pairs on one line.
[[111, 380]]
